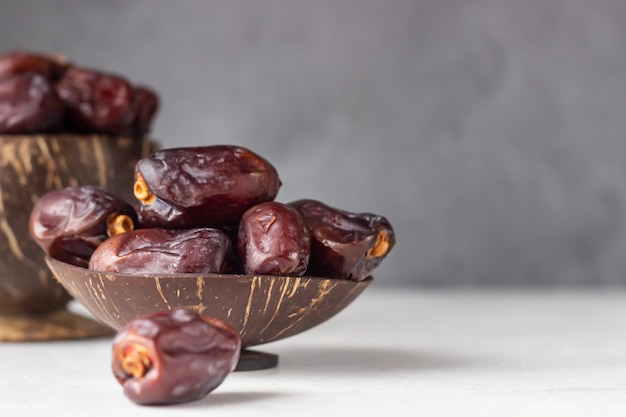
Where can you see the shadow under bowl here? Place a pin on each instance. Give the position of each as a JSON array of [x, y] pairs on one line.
[[262, 308]]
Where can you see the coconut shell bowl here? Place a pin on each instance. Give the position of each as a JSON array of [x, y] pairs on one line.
[[263, 308], [33, 305]]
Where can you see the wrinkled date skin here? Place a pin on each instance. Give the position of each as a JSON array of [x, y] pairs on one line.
[[345, 245], [96, 102], [207, 186], [274, 240], [164, 251], [45, 93], [173, 356], [28, 104], [105, 103], [51, 67], [70, 223]]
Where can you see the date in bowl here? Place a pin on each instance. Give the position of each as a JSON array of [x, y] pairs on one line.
[[263, 308]]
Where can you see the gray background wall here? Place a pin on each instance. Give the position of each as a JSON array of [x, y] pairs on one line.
[[491, 133]]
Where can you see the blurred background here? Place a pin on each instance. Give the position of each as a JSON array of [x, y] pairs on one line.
[[491, 134]]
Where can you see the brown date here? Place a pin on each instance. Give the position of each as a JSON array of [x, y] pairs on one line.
[[51, 67], [273, 240], [164, 251], [173, 356], [207, 186], [68, 224], [146, 106], [97, 102], [343, 244], [28, 104]]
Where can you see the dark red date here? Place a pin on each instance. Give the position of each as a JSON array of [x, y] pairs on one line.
[[28, 104], [51, 67], [70, 223], [79, 100], [207, 186], [146, 106], [97, 102], [345, 245], [146, 251], [173, 356], [273, 240]]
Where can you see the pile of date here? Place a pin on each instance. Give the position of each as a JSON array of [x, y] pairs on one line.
[[209, 209]]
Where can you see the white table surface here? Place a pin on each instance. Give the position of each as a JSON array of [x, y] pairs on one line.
[[390, 353]]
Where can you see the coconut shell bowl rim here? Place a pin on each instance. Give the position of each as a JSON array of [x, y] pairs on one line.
[[263, 308]]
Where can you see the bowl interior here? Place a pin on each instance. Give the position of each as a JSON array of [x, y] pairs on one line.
[[263, 308]]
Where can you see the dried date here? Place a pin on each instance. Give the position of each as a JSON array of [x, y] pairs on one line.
[[274, 240], [173, 356], [70, 223], [51, 67], [28, 104], [97, 102], [159, 251], [207, 186], [344, 244], [146, 106]]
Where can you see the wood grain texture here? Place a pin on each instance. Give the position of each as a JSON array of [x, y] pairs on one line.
[[263, 308], [30, 166]]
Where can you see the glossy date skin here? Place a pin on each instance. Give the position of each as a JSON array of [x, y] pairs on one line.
[[64, 97], [173, 356], [70, 223], [164, 251], [273, 240], [96, 102], [344, 244], [99, 102], [50, 67], [29, 104], [207, 186]]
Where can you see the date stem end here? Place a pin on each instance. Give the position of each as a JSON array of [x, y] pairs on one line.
[[381, 247], [141, 190], [118, 224], [136, 361]]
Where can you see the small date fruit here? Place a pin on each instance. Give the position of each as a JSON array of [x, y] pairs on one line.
[[207, 186], [345, 245], [97, 102], [68, 224], [28, 104], [273, 240], [51, 67], [173, 356], [164, 251]]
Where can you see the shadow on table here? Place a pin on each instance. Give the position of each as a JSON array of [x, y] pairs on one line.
[[217, 399], [365, 359]]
